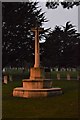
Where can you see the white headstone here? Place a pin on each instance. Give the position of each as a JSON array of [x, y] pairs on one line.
[[10, 78], [56, 69], [4, 69], [68, 77], [5, 79], [58, 76]]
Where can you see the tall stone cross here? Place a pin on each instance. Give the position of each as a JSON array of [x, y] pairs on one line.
[[37, 50]]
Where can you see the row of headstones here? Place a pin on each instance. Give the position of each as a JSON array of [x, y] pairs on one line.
[[64, 69], [14, 68], [55, 69], [9, 78], [68, 76]]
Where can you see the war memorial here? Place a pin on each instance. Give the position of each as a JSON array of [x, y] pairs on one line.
[[37, 85]]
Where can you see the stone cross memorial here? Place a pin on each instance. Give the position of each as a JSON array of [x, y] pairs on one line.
[[37, 85], [37, 54], [36, 71]]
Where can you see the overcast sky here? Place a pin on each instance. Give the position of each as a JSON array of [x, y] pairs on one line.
[[60, 16]]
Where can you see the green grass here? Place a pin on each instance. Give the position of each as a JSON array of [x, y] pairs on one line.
[[62, 106]]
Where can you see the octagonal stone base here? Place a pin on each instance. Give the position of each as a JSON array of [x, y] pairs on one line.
[[36, 86], [31, 93]]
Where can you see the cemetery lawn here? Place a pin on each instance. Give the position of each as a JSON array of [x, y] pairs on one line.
[[62, 106]]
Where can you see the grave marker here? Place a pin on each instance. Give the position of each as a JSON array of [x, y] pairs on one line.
[[5, 79]]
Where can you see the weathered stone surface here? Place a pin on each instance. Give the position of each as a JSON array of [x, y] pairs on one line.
[[36, 88], [31, 93], [36, 73], [37, 84]]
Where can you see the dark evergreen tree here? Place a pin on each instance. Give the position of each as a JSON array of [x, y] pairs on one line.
[[71, 43], [17, 39], [62, 47]]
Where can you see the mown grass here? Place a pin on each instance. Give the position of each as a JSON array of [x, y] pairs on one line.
[[62, 106]]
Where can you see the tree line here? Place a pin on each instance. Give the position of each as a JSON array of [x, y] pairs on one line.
[[61, 47]]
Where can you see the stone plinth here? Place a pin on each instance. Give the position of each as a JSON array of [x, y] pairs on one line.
[[36, 88], [31, 93], [37, 84], [36, 73]]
